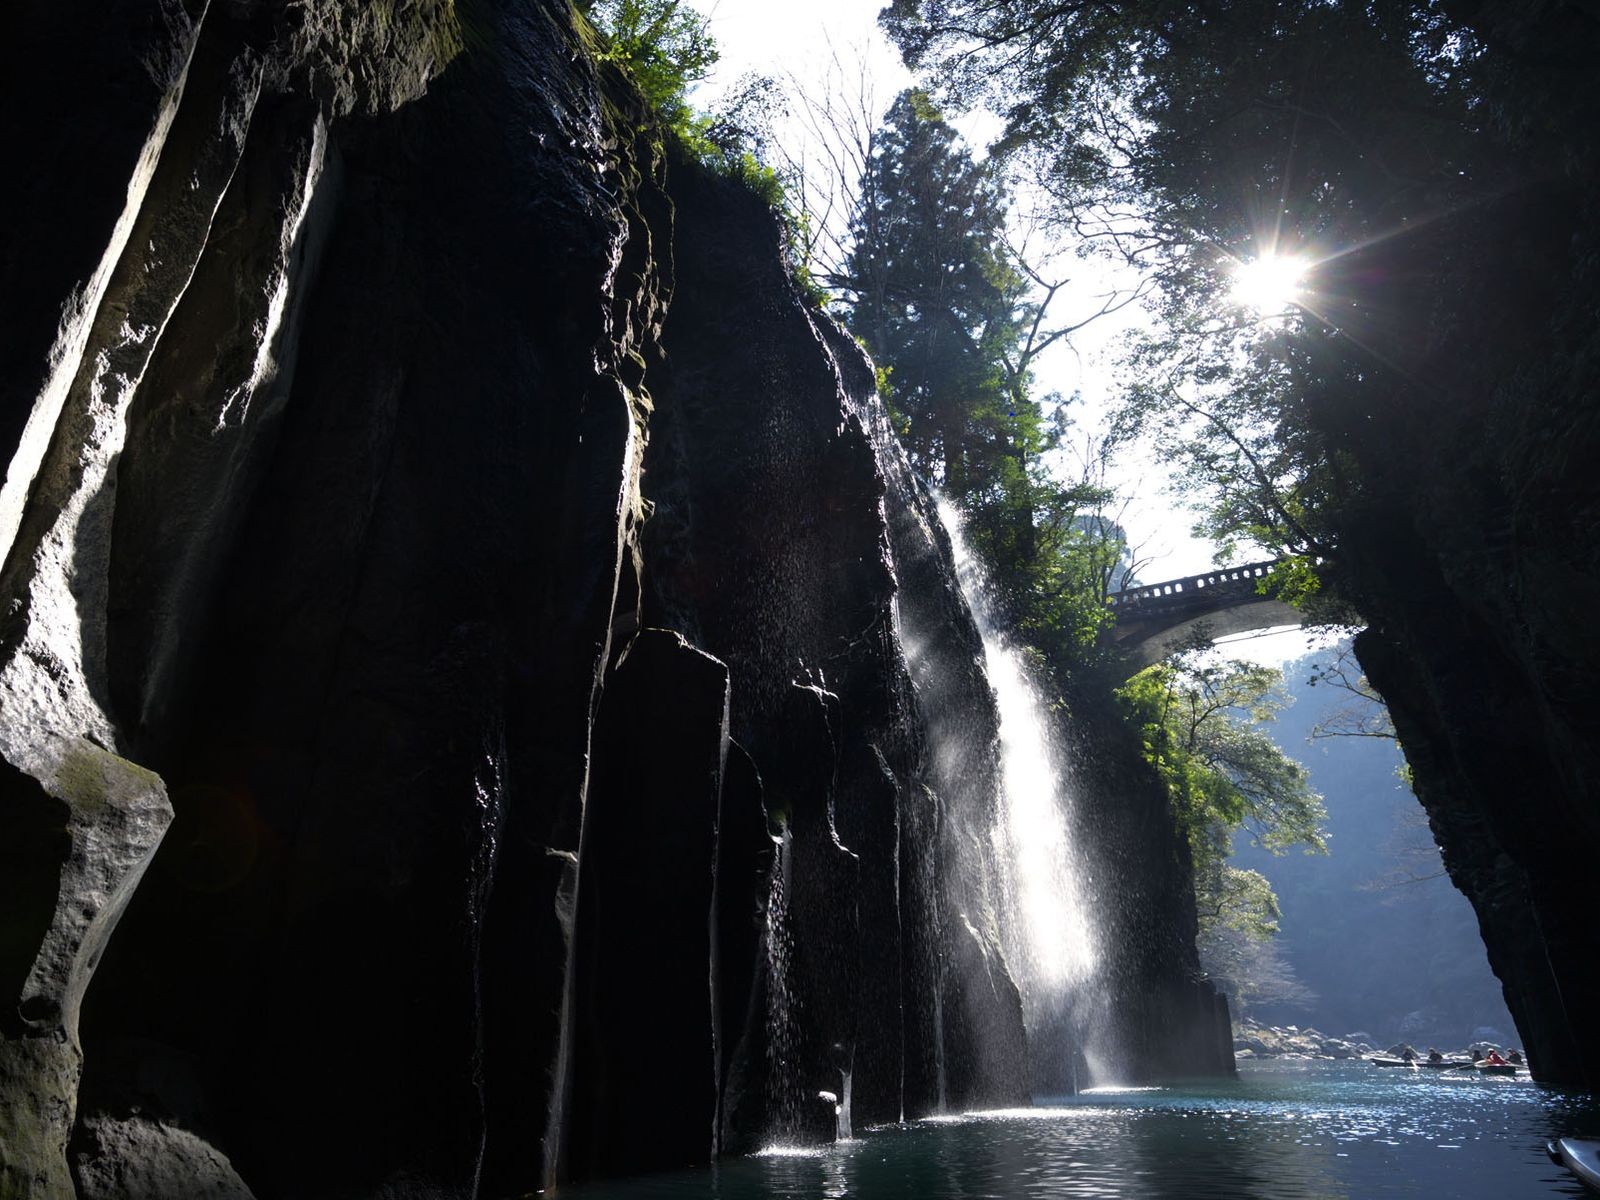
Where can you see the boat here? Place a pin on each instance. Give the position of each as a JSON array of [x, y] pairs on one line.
[[1497, 1068], [1448, 1064], [1581, 1156], [1393, 1062]]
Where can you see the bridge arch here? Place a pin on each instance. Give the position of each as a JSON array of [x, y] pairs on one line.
[[1153, 620]]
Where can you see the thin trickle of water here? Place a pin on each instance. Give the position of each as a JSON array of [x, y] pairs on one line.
[[920, 826], [783, 1080], [841, 1123], [1045, 924], [488, 785]]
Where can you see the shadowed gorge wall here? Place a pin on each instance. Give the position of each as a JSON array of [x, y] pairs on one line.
[[1470, 551], [447, 494]]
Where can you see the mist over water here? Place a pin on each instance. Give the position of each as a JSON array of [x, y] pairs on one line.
[[1045, 925]]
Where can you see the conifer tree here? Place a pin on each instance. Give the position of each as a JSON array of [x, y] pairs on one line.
[[932, 294], [937, 297]]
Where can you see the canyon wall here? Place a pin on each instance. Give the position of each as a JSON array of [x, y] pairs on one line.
[[1492, 687], [1468, 547], [433, 499]]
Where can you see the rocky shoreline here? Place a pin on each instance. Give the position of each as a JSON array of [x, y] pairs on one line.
[[1252, 1040]]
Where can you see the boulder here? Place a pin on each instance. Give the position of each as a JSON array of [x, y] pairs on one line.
[[140, 1158], [81, 827]]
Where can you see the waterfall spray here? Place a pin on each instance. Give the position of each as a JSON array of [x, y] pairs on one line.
[[782, 1037], [1045, 926], [488, 789]]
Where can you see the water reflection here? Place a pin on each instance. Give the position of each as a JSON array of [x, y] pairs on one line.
[[1287, 1131]]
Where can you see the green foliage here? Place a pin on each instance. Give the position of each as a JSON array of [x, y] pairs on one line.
[[1430, 159], [1201, 724], [734, 139], [931, 289], [663, 46], [1294, 581], [1245, 903]]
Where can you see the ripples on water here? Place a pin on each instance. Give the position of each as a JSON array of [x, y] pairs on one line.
[[1284, 1131]]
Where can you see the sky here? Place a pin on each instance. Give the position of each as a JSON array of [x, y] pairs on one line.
[[800, 40]]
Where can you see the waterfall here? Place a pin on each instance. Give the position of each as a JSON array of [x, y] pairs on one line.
[[842, 1131], [1044, 923], [782, 1040]]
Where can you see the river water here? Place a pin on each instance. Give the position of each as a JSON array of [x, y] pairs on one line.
[[1284, 1131]]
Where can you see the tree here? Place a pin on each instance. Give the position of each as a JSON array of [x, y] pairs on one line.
[[665, 47], [824, 159], [932, 289], [1408, 152], [1200, 724], [1361, 712], [1253, 970]]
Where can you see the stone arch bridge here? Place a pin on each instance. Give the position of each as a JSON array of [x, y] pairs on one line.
[[1155, 619]]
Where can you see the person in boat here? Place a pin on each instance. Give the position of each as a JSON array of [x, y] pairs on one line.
[[1515, 1057], [1494, 1059], [1407, 1053], [1434, 1056]]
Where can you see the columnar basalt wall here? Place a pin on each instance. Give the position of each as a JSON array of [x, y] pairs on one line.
[[447, 501]]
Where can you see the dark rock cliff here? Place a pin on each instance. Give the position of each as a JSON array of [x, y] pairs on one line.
[[1470, 549], [1154, 1014], [502, 582], [1493, 694]]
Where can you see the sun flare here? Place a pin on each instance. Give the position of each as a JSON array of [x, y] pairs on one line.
[[1268, 284]]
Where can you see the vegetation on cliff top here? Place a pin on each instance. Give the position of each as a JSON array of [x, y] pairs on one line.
[[933, 290], [665, 47]]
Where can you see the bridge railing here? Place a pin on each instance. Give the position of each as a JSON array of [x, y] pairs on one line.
[[1172, 589]]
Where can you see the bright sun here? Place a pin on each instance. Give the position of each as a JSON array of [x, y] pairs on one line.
[[1269, 284]]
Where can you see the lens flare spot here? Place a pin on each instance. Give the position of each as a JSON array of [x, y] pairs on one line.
[[1268, 284]]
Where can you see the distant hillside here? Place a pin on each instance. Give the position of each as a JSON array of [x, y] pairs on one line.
[[1374, 929]]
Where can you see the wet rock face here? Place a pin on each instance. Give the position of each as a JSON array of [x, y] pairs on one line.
[[768, 549], [647, 909], [1155, 1016], [363, 343]]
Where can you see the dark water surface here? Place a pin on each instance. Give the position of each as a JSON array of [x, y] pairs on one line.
[[1284, 1131]]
